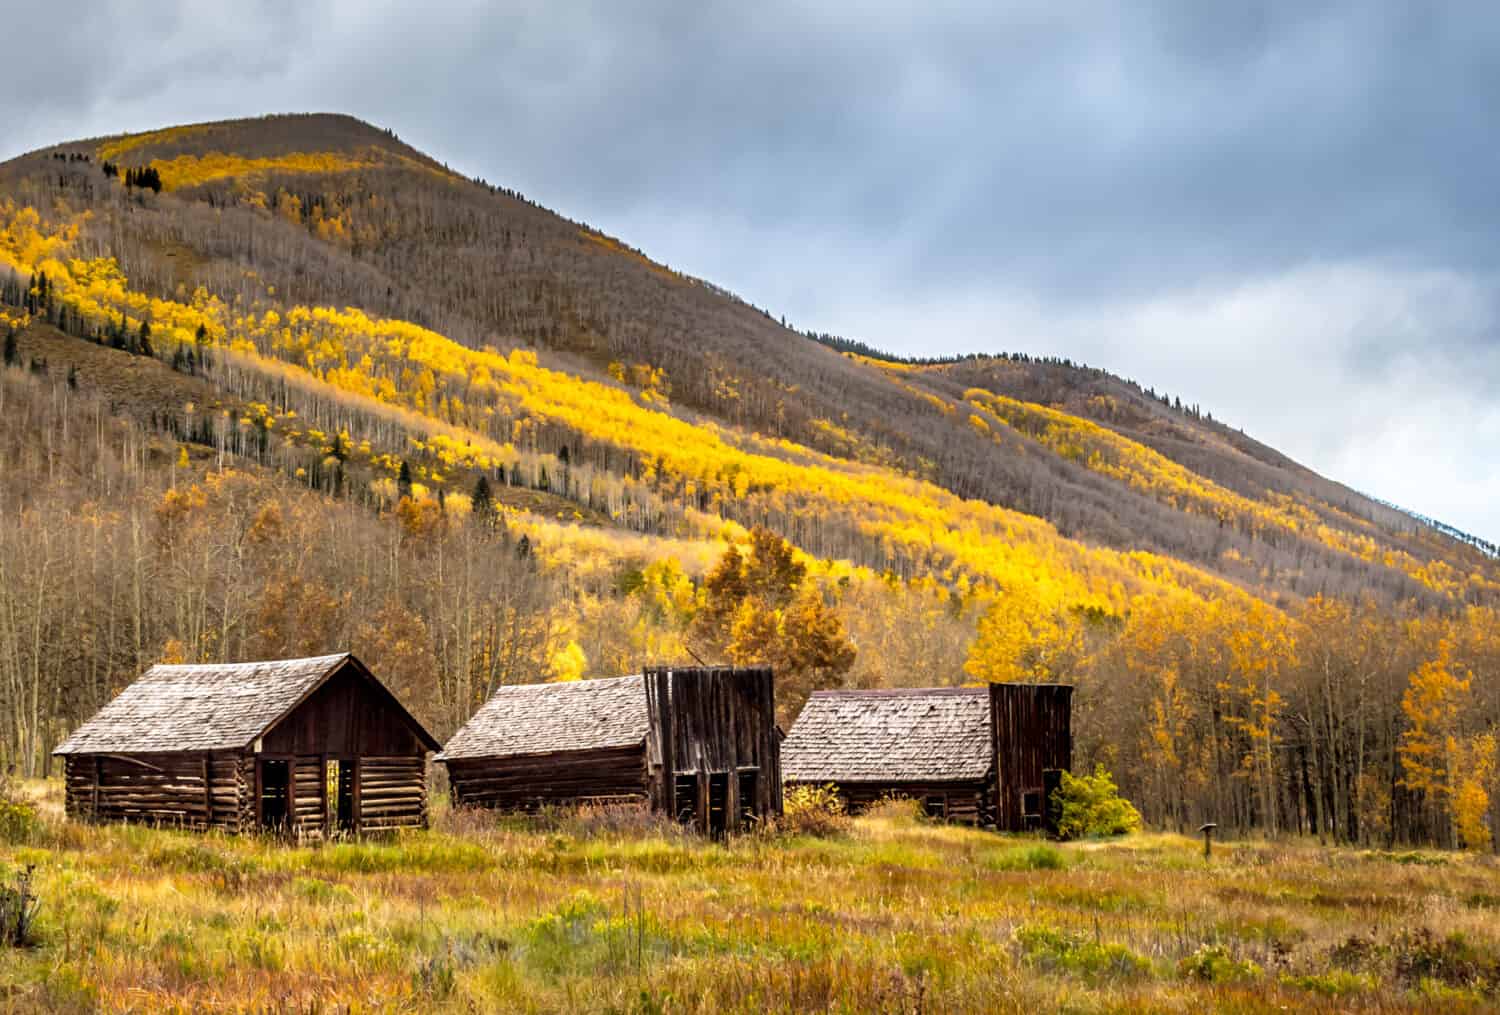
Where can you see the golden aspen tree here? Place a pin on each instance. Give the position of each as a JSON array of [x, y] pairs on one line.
[[1474, 777], [1434, 699]]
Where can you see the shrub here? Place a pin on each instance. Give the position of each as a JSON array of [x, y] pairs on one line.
[[899, 810], [1334, 983], [18, 909], [813, 810], [19, 822], [1214, 964], [1056, 950], [1027, 858], [1455, 960], [1091, 806]]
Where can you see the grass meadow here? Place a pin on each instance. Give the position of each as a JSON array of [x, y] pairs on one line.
[[612, 912]]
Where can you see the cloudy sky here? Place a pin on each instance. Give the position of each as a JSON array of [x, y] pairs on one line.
[[1288, 214]]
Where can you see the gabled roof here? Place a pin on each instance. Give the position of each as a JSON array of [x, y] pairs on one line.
[[211, 707], [922, 735], [577, 715]]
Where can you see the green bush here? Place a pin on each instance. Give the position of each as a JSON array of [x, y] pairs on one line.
[[1090, 806], [1334, 983], [1027, 858], [1058, 951]]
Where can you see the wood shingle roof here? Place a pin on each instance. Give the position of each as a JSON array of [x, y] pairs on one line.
[[577, 715], [207, 707], [923, 735]]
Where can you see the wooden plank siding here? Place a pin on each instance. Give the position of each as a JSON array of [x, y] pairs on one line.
[[708, 722], [1032, 735]]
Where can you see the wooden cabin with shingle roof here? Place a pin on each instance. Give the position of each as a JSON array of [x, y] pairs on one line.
[[698, 743], [980, 755], [310, 747]]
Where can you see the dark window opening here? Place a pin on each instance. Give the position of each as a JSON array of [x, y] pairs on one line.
[[718, 804], [274, 798], [935, 806], [685, 793], [749, 805], [1031, 807]]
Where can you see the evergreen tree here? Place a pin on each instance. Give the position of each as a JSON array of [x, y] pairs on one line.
[[484, 502], [403, 480], [143, 340], [12, 348]]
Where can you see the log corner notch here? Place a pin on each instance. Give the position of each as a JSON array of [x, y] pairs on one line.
[[249, 746]]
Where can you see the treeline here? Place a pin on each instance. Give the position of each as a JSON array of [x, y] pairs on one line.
[[1357, 722]]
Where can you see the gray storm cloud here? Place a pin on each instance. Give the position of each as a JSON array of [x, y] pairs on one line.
[[1283, 213]]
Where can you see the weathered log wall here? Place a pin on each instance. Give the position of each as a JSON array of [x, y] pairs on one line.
[[564, 778], [186, 790], [390, 793], [200, 791]]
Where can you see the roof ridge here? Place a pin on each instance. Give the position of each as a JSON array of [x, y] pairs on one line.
[[296, 660]]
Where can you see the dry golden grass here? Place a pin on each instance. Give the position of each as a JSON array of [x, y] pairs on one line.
[[578, 914]]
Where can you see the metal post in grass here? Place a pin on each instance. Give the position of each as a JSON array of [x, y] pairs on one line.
[[1208, 839]]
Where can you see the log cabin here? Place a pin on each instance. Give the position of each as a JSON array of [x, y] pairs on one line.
[[306, 747], [698, 743], [987, 756]]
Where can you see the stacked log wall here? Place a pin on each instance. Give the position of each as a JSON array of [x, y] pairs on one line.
[[187, 790], [558, 779], [391, 793], [309, 797]]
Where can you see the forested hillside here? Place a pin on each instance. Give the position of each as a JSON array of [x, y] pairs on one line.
[[288, 385]]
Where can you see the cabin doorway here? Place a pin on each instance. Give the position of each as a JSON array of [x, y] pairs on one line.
[[338, 791], [718, 804], [685, 794], [274, 797], [749, 811]]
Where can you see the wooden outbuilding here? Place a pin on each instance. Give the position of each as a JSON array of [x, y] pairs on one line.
[[986, 756], [698, 743], [309, 747]]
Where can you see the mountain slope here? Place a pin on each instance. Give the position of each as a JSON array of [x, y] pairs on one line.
[[281, 212]]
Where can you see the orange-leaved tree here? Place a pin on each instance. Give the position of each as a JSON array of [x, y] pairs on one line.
[[761, 608]]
